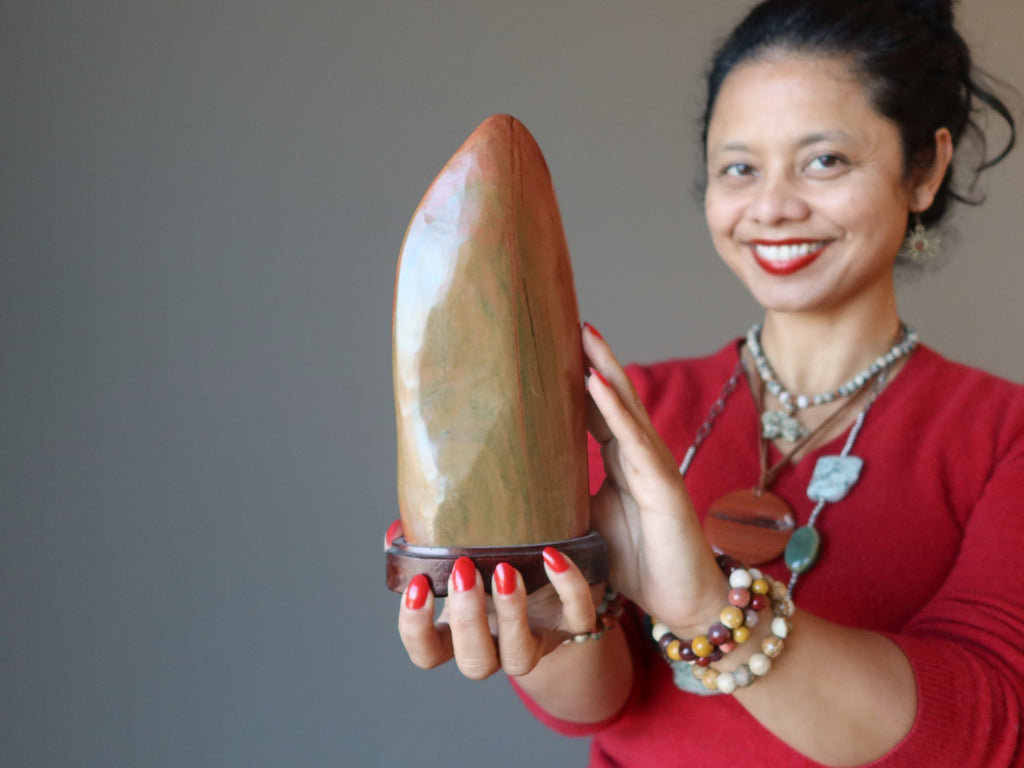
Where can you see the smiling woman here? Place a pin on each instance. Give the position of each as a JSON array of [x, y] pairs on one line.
[[818, 195], [830, 131]]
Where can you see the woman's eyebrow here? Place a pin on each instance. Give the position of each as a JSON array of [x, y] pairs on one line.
[[804, 141], [819, 136]]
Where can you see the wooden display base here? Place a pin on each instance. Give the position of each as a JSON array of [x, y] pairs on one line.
[[406, 560]]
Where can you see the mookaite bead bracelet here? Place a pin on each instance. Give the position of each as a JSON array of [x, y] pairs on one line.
[[608, 613], [693, 669], [759, 664], [748, 595]]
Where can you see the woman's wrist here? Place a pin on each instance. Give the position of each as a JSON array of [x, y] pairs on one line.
[[741, 645], [740, 595]]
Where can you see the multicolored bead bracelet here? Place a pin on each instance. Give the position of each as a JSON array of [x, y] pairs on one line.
[[608, 613], [697, 676], [748, 595], [758, 665]]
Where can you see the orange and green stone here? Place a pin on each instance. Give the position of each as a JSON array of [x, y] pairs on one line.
[[487, 356]]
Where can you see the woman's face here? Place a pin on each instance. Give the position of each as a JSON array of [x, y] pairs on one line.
[[807, 200]]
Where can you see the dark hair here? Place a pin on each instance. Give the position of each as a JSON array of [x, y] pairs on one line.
[[914, 64]]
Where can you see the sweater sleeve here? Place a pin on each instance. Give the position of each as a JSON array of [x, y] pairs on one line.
[[628, 625], [965, 645]]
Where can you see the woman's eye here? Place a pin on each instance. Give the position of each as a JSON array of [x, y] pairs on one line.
[[826, 162], [737, 169]]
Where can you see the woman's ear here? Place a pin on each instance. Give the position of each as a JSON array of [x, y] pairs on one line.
[[927, 179]]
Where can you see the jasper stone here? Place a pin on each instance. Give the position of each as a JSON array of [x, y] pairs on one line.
[[833, 477], [802, 549], [751, 527], [487, 356]]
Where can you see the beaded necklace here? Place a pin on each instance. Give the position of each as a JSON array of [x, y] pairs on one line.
[[833, 477], [783, 423]]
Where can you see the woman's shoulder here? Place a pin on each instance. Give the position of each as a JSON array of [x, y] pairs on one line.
[[976, 404], [950, 378]]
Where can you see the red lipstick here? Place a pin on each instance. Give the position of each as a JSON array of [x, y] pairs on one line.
[[785, 266]]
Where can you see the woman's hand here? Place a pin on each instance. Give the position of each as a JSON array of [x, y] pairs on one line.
[[509, 631], [659, 557]]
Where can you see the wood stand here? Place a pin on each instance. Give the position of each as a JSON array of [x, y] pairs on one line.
[[406, 560]]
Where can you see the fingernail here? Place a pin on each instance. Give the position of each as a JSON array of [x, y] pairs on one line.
[[393, 532], [594, 331], [464, 574], [602, 379], [416, 593], [556, 562], [505, 579]]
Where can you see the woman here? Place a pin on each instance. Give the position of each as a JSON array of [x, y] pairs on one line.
[[829, 134]]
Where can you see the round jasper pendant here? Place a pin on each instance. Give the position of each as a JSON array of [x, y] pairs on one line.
[[752, 527]]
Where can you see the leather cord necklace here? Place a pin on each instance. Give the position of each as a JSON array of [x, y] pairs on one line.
[[768, 474], [754, 525]]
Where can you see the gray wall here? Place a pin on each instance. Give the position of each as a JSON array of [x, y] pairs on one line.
[[201, 206]]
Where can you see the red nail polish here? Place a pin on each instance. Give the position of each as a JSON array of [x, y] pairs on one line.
[[464, 574], [416, 593], [556, 562], [505, 579], [394, 531], [602, 379], [594, 331]]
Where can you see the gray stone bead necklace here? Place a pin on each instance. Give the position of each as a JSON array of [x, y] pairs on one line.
[[784, 423]]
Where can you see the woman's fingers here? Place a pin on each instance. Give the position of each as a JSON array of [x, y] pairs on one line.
[[578, 611], [428, 645], [596, 424], [607, 368], [517, 647], [465, 631], [475, 653], [393, 532], [634, 438], [629, 417]]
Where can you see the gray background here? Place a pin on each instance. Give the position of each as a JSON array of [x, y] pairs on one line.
[[201, 206]]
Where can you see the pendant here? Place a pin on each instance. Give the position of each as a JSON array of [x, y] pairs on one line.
[[775, 424], [753, 528], [833, 477], [802, 549]]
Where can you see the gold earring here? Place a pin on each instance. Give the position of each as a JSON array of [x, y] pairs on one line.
[[920, 246]]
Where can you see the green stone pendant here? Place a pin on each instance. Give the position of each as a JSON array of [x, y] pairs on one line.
[[802, 549]]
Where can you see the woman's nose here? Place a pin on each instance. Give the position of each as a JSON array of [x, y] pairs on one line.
[[778, 199]]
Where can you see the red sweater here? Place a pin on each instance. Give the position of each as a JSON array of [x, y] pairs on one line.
[[926, 549]]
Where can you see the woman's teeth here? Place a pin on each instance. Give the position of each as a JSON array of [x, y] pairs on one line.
[[786, 252]]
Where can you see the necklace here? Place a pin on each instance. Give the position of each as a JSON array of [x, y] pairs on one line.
[[754, 525], [759, 523], [783, 423], [832, 479]]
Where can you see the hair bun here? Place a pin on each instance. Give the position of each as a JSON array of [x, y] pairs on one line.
[[937, 14]]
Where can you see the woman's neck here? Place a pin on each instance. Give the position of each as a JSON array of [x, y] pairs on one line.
[[813, 353]]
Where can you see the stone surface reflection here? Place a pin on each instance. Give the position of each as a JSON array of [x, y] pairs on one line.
[[488, 367]]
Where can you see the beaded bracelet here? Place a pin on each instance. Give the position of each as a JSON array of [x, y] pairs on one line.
[[758, 665], [608, 613], [708, 680], [748, 595]]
